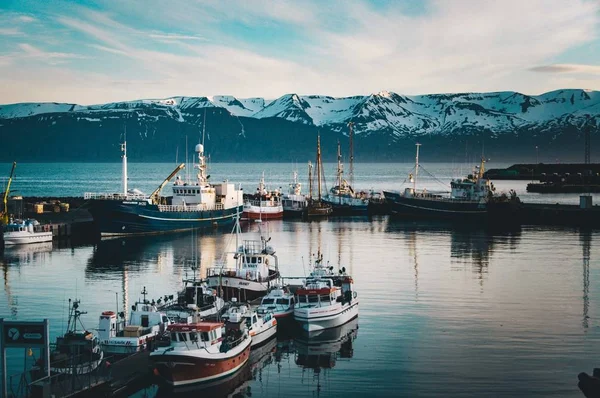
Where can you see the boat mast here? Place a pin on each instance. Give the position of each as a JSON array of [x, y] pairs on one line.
[[351, 136], [416, 168], [319, 166], [124, 156], [310, 189]]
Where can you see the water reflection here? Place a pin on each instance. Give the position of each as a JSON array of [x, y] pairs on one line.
[[585, 236], [28, 254]]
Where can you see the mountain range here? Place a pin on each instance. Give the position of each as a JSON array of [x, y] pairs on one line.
[[506, 126]]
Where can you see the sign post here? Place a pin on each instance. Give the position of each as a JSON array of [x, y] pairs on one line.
[[17, 334]]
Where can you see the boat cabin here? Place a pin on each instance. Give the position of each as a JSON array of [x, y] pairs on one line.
[[195, 335], [254, 260], [277, 298], [143, 319], [76, 343], [317, 293], [197, 295]]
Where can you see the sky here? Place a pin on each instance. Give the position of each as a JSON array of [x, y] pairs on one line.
[[91, 52]]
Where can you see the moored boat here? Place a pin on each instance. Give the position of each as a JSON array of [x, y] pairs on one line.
[[256, 269], [146, 322], [20, 232], [470, 199], [279, 301], [326, 300], [195, 299], [264, 204], [261, 326], [193, 205], [294, 202], [77, 351], [201, 352], [317, 207]]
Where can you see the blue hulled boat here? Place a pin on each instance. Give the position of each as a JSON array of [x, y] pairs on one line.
[[193, 205]]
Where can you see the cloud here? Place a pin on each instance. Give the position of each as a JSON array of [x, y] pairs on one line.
[[175, 36], [567, 68], [30, 51], [26, 19], [10, 32], [107, 49]]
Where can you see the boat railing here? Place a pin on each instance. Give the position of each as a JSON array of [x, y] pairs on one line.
[[190, 208], [262, 203], [114, 196]]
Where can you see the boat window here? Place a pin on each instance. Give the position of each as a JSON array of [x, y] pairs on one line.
[[282, 301], [213, 334], [205, 336], [324, 297], [313, 298], [302, 299], [268, 301], [254, 319], [260, 260], [247, 259], [165, 319], [292, 300], [145, 321], [174, 336], [182, 337], [193, 336]]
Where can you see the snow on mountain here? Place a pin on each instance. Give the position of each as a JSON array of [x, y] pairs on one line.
[[29, 109], [383, 112]]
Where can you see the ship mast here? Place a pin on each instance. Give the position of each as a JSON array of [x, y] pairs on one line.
[[416, 168], [339, 169], [310, 188], [351, 137], [319, 166], [124, 156]]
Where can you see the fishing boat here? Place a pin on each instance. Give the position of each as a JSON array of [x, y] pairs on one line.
[[146, 322], [20, 232], [342, 197], [201, 352], [470, 199], [264, 204], [294, 202], [193, 204], [256, 269], [261, 326], [77, 351], [279, 301], [317, 207], [195, 297], [326, 299]]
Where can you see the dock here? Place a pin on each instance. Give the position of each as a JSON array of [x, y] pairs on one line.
[[116, 379]]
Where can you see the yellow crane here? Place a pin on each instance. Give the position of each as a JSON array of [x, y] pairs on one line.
[[154, 195], [4, 213]]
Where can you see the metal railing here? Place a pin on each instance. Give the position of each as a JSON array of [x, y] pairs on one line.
[[189, 208], [114, 196]]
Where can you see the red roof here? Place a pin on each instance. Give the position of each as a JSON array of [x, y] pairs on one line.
[[324, 290], [194, 327]]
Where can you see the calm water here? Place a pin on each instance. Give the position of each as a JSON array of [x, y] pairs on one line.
[[443, 312]]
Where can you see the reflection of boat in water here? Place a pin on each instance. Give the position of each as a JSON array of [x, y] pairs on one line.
[[27, 253], [322, 349]]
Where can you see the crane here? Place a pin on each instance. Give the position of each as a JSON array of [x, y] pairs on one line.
[[4, 213], [154, 195]]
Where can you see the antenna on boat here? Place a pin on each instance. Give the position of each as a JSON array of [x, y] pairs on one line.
[[416, 168], [144, 293], [124, 156], [351, 138]]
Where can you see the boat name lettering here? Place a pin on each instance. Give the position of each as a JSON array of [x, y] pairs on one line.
[[128, 202], [244, 283]]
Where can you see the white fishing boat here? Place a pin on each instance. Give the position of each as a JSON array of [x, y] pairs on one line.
[[146, 322], [256, 269], [294, 202], [195, 299], [20, 232], [201, 352], [326, 300], [264, 204], [261, 327], [279, 301], [77, 351]]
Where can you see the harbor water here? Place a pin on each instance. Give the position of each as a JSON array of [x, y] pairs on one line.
[[444, 311]]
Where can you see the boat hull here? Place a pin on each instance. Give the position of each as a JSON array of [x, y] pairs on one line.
[[79, 369], [182, 370], [265, 335], [242, 289], [313, 320], [23, 238], [254, 215], [436, 209], [131, 217]]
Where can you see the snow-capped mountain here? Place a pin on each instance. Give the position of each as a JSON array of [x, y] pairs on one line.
[[387, 117]]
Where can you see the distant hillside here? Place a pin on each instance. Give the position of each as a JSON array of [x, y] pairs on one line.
[[506, 125]]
